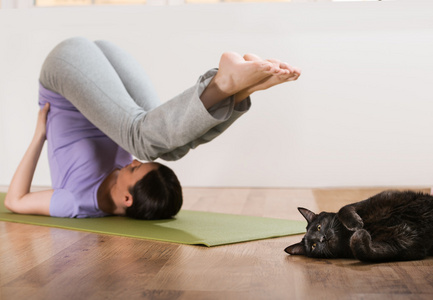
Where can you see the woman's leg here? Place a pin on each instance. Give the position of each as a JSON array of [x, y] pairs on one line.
[[78, 70], [133, 76]]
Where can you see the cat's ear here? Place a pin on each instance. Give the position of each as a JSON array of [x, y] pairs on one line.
[[296, 249], [308, 214]]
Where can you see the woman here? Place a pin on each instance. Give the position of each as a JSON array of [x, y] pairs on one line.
[[98, 109]]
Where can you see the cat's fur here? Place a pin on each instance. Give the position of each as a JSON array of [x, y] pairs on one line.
[[389, 226]]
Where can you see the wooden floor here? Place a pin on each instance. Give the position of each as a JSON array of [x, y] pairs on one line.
[[48, 263]]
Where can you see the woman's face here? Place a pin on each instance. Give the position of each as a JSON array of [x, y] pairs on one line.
[[130, 174]]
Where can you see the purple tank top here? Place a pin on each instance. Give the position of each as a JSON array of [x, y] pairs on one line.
[[80, 158]]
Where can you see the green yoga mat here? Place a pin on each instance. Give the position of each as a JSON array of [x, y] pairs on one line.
[[189, 227]]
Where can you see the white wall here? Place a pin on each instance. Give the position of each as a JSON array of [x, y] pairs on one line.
[[360, 115]]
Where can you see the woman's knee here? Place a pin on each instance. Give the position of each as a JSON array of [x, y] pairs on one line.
[[70, 47], [58, 62]]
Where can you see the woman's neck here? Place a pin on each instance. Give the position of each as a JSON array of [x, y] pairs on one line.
[[104, 194]]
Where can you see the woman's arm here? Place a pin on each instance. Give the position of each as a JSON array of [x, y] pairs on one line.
[[19, 199]]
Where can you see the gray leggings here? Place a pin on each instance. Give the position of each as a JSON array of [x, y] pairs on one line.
[[112, 91]]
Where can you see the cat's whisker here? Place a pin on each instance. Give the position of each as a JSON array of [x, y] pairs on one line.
[[327, 252]]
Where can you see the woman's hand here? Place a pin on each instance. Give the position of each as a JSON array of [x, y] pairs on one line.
[[41, 125]]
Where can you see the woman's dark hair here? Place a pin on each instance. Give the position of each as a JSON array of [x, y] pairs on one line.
[[158, 195]]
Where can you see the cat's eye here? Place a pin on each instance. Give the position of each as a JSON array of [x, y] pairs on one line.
[[318, 227], [313, 246]]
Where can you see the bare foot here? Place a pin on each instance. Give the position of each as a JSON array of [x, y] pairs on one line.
[[234, 75], [283, 73]]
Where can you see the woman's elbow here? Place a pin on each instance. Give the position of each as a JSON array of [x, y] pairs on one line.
[[9, 202]]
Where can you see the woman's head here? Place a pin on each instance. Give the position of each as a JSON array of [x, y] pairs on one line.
[[157, 195]]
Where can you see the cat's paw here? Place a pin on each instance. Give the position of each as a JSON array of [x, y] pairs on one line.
[[350, 219], [360, 236], [360, 243]]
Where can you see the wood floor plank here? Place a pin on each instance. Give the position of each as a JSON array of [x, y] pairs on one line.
[[25, 246]]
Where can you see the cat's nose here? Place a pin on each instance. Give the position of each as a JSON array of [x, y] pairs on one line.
[[322, 239]]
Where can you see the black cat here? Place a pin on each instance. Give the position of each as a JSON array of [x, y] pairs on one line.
[[389, 226]]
